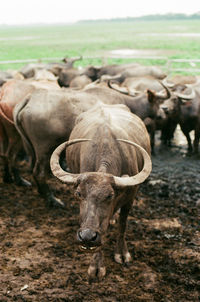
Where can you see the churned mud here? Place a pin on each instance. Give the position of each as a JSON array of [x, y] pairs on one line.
[[40, 260]]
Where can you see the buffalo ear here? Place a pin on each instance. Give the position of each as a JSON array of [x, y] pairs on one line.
[[150, 96]]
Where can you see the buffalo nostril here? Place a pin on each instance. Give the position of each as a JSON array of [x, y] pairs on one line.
[[87, 235], [165, 109]]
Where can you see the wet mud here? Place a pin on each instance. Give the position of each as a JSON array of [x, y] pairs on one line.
[[40, 260]]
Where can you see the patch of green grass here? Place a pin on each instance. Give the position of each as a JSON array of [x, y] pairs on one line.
[[95, 39]]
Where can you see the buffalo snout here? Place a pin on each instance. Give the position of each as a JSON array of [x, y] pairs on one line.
[[89, 237], [165, 109]]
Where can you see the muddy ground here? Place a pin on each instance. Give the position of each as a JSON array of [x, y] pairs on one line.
[[40, 260]]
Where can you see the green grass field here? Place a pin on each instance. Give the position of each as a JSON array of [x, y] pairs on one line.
[[173, 39]]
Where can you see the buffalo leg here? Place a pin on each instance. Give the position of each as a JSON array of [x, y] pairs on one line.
[[7, 177], [152, 139], [122, 254], [12, 155], [151, 127], [97, 268], [39, 172], [189, 142], [20, 181], [187, 135], [196, 140]]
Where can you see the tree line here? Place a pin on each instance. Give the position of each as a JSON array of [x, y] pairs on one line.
[[155, 17]]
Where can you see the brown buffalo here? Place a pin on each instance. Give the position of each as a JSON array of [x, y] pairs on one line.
[[80, 81], [13, 92], [29, 70], [66, 76], [4, 77], [108, 159], [142, 83], [123, 71]]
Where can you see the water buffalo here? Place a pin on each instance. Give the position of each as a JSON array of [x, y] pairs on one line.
[[153, 71], [142, 83], [183, 108], [147, 105], [121, 72], [66, 76], [80, 81], [13, 92], [4, 76], [108, 158], [114, 69], [30, 69], [180, 79], [45, 119]]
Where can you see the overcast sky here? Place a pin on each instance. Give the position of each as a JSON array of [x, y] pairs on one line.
[[56, 11]]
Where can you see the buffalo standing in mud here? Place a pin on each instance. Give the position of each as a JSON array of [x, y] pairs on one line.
[[12, 93], [183, 108], [108, 157]]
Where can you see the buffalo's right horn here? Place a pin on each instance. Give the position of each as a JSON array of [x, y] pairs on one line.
[[122, 89], [186, 96], [168, 84], [162, 95], [55, 165]]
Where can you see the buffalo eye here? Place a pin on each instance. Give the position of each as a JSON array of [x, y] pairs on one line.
[[110, 196]]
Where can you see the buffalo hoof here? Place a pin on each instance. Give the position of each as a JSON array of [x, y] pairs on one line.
[[97, 269], [114, 219], [53, 202], [23, 182], [96, 272], [123, 259]]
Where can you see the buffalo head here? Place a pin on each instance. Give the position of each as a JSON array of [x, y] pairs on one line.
[[98, 193]]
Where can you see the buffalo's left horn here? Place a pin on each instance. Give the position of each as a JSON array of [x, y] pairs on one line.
[[186, 96], [55, 165], [142, 175]]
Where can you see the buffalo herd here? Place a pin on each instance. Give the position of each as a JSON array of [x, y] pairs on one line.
[[93, 128]]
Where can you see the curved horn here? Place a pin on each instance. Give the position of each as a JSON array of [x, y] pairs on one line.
[[123, 89], [77, 58], [161, 95], [167, 84], [186, 96], [110, 84], [142, 175], [107, 77], [55, 165]]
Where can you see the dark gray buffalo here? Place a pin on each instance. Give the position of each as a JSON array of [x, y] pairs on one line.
[[147, 105], [183, 108], [108, 158], [44, 120]]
